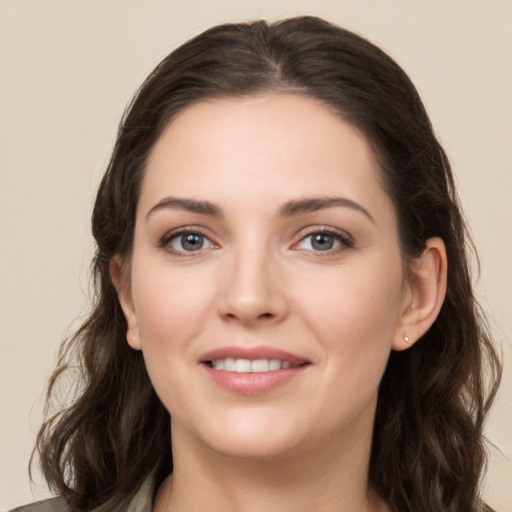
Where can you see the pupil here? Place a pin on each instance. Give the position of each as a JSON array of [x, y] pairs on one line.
[[191, 242], [322, 242]]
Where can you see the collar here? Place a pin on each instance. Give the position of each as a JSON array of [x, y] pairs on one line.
[[143, 500]]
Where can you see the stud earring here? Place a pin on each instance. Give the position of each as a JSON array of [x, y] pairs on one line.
[[407, 340]]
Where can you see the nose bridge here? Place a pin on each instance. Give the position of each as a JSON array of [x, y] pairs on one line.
[[252, 285]]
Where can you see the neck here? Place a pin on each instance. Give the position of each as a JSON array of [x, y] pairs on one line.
[[324, 480]]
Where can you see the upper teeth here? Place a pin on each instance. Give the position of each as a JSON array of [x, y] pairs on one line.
[[248, 366]]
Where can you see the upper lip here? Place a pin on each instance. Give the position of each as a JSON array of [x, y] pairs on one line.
[[252, 353]]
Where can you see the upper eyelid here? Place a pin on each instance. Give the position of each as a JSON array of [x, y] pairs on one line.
[[345, 240], [187, 229], [311, 230], [173, 233]]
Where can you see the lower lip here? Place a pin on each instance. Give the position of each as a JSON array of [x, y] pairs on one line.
[[253, 383]]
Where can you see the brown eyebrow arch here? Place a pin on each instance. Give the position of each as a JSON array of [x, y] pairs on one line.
[[312, 204], [190, 205]]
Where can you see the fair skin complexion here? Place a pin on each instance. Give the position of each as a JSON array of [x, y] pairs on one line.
[[263, 225]]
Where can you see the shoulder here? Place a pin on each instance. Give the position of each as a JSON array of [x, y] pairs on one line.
[[141, 502], [51, 505]]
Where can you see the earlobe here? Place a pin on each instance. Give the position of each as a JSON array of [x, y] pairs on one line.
[[121, 282], [427, 285]]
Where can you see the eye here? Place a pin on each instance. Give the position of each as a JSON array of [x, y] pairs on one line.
[[323, 241], [186, 242], [319, 242]]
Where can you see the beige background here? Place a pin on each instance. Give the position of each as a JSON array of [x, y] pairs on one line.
[[69, 67]]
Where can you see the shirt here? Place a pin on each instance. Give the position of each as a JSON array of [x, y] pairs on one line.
[[141, 502]]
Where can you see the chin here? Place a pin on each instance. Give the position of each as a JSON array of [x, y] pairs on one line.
[[251, 434], [260, 448]]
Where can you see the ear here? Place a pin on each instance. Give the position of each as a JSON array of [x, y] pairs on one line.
[[121, 280], [426, 290]]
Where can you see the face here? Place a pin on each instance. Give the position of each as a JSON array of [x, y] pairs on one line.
[[266, 286]]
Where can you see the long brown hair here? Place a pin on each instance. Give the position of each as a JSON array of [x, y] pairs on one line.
[[427, 452]]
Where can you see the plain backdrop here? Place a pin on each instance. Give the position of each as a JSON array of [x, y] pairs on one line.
[[69, 67]]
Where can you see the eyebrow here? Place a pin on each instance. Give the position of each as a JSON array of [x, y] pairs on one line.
[[313, 204], [289, 209], [189, 205]]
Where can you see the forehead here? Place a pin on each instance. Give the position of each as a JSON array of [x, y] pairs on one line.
[[265, 146]]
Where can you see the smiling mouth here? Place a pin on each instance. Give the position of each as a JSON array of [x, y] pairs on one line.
[[252, 371], [251, 366]]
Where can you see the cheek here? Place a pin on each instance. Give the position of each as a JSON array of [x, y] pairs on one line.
[[168, 308], [360, 302], [354, 318], [168, 302], [171, 308]]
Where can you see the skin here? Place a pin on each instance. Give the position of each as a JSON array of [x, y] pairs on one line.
[[257, 279]]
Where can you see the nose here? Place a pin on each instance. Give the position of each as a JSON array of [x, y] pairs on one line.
[[253, 291]]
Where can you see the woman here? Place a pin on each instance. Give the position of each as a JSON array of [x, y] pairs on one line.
[[284, 316]]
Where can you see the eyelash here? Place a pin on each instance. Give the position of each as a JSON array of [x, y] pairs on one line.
[[344, 240], [166, 240]]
